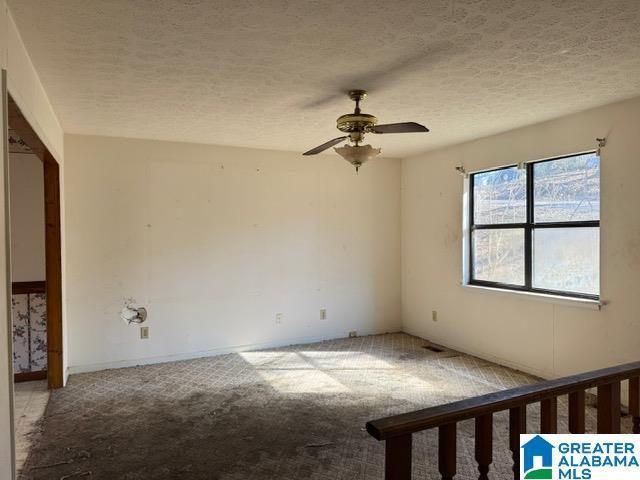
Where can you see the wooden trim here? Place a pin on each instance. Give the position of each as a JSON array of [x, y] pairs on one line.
[[53, 247], [29, 376], [53, 255], [20, 288]]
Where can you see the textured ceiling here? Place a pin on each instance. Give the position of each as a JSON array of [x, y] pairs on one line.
[[265, 73]]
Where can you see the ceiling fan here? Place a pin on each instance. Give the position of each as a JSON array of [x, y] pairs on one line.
[[356, 125]]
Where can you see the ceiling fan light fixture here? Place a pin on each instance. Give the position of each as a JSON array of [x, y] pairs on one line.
[[357, 155], [356, 125]]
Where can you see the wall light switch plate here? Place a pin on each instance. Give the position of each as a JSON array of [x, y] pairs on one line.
[[323, 314], [434, 315], [279, 318], [144, 333]]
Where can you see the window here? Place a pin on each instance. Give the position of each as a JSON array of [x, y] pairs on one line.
[[537, 228]]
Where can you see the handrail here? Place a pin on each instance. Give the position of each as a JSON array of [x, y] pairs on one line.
[[397, 430], [427, 418]]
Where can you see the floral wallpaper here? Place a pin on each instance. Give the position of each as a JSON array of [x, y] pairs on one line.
[[29, 314]]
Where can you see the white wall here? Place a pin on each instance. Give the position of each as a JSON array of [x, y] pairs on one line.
[[26, 89], [6, 362], [548, 339], [215, 241], [26, 185]]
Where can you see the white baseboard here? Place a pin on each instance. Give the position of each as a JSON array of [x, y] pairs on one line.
[[484, 356], [73, 369], [302, 341], [507, 363]]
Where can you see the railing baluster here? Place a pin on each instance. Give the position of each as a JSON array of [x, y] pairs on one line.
[[634, 403], [484, 444], [397, 458], [447, 451], [609, 408], [576, 411], [517, 426], [549, 415], [396, 430]]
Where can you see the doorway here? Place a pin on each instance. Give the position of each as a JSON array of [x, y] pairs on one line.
[[28, 284], [46, 294]]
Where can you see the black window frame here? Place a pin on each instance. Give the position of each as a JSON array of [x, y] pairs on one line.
[[528, 226]]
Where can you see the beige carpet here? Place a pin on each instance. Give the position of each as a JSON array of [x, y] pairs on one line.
[[288, 413]]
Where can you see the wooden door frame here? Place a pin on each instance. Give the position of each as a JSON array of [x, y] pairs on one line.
[[53, 246]]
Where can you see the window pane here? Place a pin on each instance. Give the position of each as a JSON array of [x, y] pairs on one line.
[[567, 259], [498, 256], [567, 189], [500, 196]]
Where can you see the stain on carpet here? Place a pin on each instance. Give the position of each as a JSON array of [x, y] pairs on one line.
[[293, 413]]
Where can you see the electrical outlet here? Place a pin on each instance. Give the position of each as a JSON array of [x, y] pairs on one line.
[[353, 334], [323, 314], [434, 315], [144, 333], [279, 318]]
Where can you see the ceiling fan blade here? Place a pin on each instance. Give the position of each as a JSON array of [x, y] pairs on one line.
[[406, 127], [326, 145]]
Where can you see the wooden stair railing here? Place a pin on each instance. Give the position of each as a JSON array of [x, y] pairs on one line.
[[397, 430]]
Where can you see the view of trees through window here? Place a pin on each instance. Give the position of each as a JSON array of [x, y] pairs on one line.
[[542, 234]]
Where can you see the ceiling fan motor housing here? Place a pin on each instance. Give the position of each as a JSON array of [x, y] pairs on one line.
[[356, 124], [353, 122]]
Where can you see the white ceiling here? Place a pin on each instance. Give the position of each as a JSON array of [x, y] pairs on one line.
[[265, 73]]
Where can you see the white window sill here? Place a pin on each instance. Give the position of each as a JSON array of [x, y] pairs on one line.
[[544, 297]]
